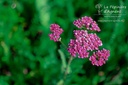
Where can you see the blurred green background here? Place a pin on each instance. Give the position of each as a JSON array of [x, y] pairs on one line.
[[29, 57]]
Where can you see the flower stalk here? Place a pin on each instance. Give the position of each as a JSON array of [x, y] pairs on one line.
[[67, 71]]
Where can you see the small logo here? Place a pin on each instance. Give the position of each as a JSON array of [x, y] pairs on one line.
[[99, 6]]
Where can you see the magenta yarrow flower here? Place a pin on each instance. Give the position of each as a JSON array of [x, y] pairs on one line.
[[83, 43], [87, 22], [56, 31], [72, 47], [75, 48], [93, 41], [99, 58], [78, 23]]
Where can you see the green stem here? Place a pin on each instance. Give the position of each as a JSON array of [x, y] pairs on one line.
[[67, 68], [62, 81], [63, 44], [62, 59]]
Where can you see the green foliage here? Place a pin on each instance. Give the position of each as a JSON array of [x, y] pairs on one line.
[[29, 57]]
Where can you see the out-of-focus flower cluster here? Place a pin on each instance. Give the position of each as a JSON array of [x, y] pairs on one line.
[[56, 31], [84, 42]]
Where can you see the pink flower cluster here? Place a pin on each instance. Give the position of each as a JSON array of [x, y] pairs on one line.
[[87, 22], [84, 42], [98, 58], [56, 31]]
